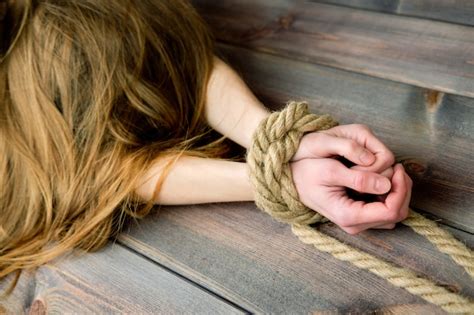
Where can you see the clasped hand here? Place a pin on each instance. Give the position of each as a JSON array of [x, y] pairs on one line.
[[321, 180]]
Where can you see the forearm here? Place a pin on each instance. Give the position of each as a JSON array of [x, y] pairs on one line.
[[231, 108], [195, 180]]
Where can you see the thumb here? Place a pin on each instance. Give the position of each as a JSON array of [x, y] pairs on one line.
[[361, 181]]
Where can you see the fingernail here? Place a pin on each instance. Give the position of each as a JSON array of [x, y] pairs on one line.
[[366, 157], [382, 185]]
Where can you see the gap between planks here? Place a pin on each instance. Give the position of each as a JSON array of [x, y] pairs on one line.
[[399, 48]]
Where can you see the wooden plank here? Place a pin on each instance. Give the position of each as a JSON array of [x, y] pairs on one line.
[[20, 299], [241, 253], [424, 53], [113, 280], [431, 133], [455, 11]]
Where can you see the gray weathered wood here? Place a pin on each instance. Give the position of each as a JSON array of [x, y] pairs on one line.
[[431, 133], [20, 299], [455, 11], [113, 280], [425, 53], [241, 253]]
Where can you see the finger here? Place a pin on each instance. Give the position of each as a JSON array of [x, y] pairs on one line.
[[364, 182], [364, 136], [405, 210], [360, 228], [356, 216], [353, 213], [387, 173], [350, 150], [384, 157], [320, 145], [397, 201], [388, 226]]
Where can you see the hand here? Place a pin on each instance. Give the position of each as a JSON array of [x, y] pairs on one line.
[[355, 142], [372, 161], [321, 183]]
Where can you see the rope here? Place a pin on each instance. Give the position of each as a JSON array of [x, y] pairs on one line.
[[275, 142], [443, 240], [400, 277]]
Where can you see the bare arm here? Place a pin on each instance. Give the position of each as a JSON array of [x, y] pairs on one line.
[[199, 180], [233, 110]]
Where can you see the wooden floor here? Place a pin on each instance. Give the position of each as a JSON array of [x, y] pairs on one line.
[[406, 68]]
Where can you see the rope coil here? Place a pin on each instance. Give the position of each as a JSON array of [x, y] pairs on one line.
[[275, 142]]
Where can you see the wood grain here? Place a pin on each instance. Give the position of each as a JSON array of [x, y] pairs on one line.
[[241, 253], [424, 53], [20, 299], [432, 135], [455, 11], [113, 280]]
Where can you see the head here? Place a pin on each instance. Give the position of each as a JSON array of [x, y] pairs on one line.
[[92, 92]]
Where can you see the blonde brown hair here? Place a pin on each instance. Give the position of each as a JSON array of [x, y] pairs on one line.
[[92, 92]]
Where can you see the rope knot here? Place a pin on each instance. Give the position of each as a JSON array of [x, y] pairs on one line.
[[275, 142]]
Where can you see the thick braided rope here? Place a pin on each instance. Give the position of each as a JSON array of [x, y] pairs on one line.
[[274, 144], [443, 240], [400, 277]]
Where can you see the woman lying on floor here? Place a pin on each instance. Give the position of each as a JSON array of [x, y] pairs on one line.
[[108, 107]]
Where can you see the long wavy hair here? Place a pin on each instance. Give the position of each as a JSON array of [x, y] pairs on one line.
[[92, 93]]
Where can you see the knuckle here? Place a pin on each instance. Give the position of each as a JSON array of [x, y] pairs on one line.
[[341, 219], [363, 128], [393, 216], [346, 218], [352, 146], [360, 181], [403, 214], [390, 158]]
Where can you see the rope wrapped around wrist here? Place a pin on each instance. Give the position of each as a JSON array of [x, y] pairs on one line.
[[274, 143]]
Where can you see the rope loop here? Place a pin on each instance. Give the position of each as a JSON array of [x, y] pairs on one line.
[[275, 142]]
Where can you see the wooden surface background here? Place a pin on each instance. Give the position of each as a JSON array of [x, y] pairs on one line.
[[405, 68]]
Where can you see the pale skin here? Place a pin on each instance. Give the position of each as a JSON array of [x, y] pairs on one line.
[[320, 179]]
